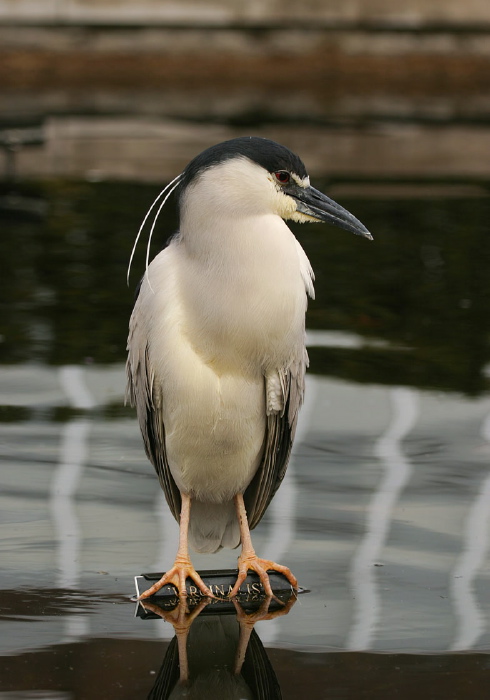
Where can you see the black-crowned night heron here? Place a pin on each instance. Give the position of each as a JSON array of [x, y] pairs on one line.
[[216, 345]]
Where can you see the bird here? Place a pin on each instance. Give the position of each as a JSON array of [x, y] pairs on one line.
[[216, 346]]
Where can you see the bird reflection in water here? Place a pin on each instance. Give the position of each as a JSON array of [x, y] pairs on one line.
[[217, 654]]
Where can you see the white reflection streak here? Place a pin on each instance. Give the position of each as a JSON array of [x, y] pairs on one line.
[[397, 473], [470, 620], [73, 456], [283, 506], [72, 380], [64, 485]]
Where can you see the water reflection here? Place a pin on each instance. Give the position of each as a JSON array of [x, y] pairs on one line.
[[397, 471], [74, 447], [386, 500], [217, 655], [470, 615]]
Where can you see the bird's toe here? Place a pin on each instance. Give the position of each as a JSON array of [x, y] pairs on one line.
[[177, 577], [252, 562]]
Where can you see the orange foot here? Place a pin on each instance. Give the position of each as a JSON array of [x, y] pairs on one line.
[[176, 576], [252, 562]]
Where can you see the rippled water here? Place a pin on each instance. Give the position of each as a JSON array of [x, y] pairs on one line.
[[384, 513]]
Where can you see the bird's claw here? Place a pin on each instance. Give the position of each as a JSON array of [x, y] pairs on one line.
[[176, 577], [252, 562]]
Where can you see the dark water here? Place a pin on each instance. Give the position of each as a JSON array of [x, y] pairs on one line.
[[384, 514]]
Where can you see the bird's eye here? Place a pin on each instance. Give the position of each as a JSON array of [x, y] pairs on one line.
[[282, 176]]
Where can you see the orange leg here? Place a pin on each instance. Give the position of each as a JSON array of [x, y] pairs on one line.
[[249, 560], [182, 567]]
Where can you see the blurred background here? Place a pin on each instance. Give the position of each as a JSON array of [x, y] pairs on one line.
[[371, 88], [384, 514]]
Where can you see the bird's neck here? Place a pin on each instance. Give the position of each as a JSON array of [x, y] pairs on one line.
[[245, 288], [243, 242]]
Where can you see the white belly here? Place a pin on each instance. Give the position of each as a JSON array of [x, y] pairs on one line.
[[214, 429]]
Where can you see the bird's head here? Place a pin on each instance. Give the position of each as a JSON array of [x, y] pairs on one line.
[[251, 175], [243, 177]]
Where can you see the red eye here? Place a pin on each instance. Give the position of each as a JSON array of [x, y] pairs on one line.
[[282, 176]]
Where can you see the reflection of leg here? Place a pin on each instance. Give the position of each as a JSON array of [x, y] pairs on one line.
[[181, 620], [247, 621], [248, 560], [182, 568]]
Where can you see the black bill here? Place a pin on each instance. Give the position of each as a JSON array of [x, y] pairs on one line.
[[317, 205]]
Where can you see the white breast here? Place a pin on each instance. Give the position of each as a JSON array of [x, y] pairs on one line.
[[244, 305]]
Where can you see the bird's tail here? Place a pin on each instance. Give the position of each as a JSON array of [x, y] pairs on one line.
[[213, 526]]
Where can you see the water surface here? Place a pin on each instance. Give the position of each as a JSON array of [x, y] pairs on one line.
[[384, 513]]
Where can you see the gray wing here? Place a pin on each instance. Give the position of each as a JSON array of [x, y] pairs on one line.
[[142, 394], [280, 430]]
